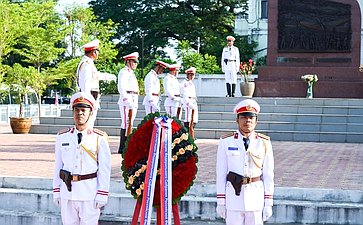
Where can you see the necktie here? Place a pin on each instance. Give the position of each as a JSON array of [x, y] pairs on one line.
[[246, 142], [79, 135]]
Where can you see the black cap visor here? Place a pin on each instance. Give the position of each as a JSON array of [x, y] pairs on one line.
[[247, 114]]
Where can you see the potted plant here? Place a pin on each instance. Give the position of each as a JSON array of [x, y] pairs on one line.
[[310, 79], [20, 79], [247, 86]]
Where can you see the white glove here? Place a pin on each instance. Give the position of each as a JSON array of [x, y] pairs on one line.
[[155, 107], [221, 211], [266, 212], [127, 103], [194, 106], [99, 204], [177, 99], [57, 202]]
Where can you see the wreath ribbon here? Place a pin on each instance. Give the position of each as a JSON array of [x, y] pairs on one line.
[[160, 143]]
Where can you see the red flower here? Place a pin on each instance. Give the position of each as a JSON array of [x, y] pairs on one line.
[[136, 155]]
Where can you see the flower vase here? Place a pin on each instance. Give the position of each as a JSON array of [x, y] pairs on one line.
[[309, 91]]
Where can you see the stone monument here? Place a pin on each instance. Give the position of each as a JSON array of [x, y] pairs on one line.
[[321, 37]]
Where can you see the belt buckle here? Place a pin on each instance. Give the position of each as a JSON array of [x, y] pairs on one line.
[[246, 180], [75, 178]]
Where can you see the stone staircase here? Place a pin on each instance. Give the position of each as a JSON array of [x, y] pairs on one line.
[[284, 119], [29, 201]]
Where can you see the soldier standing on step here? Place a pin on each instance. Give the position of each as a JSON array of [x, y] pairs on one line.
[[189, 98], [88, 77], [230, 65], [129, 96], [82, 169], [152, 88], [245, 171], [171, 84]]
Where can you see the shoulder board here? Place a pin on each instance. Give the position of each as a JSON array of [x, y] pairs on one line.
[[263, 136], [63, 131], [229, 134], [99, 132]]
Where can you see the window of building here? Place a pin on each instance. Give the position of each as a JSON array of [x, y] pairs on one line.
[[264, 11]]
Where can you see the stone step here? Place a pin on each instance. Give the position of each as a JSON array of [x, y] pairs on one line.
[[310, 136], [316, 119], [291, 205], [213, 113], [344, 102], [335, 124], [294, 109]]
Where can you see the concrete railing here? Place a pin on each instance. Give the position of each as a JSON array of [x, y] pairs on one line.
[[12, 110]]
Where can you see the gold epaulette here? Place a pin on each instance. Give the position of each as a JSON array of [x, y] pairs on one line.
[[99, 132], [263, 136], [63, 131], [229, 134]]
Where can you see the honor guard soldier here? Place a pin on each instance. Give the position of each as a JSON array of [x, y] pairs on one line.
[[171, 84], [152, 88], [245, 171], [88, 77], [230, 63], [129, 96], [82, 169], [189, 98]]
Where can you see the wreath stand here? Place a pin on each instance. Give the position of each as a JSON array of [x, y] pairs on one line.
[[175, 209]]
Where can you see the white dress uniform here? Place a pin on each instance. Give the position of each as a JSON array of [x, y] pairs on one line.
[[129, 95], [90, 156], [189, 100], [88, 77], [230, 63], [172, 90], [257, 161], [152, 91]]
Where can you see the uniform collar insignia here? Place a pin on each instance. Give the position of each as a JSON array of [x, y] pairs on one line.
[[236, 135]]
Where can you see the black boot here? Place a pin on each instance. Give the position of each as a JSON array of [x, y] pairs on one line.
[[228, 85], [122, 141], [233, 89], [186, 125]]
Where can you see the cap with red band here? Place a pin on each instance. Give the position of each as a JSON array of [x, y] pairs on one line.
[[162, 64], [133, 56], [82, 99], [91, 45], [192, 70], [247, 107], [174, 67]]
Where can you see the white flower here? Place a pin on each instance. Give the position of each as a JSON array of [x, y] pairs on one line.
[[310, 78]]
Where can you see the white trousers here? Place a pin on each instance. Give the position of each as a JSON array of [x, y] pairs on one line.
[[124, 112], [172, 111], [231, 76], [150, 109], [188, 115], [244, 218], [79, 212]]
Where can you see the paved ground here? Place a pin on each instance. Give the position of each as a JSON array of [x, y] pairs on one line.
[[297, 164]]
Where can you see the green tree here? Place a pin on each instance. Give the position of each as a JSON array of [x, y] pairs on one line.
[[205, 64], [41, 43], [84, 27], [21, 80], [155, 22]]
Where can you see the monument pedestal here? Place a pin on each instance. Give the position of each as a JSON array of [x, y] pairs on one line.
[[321, 37], [334, 82]]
